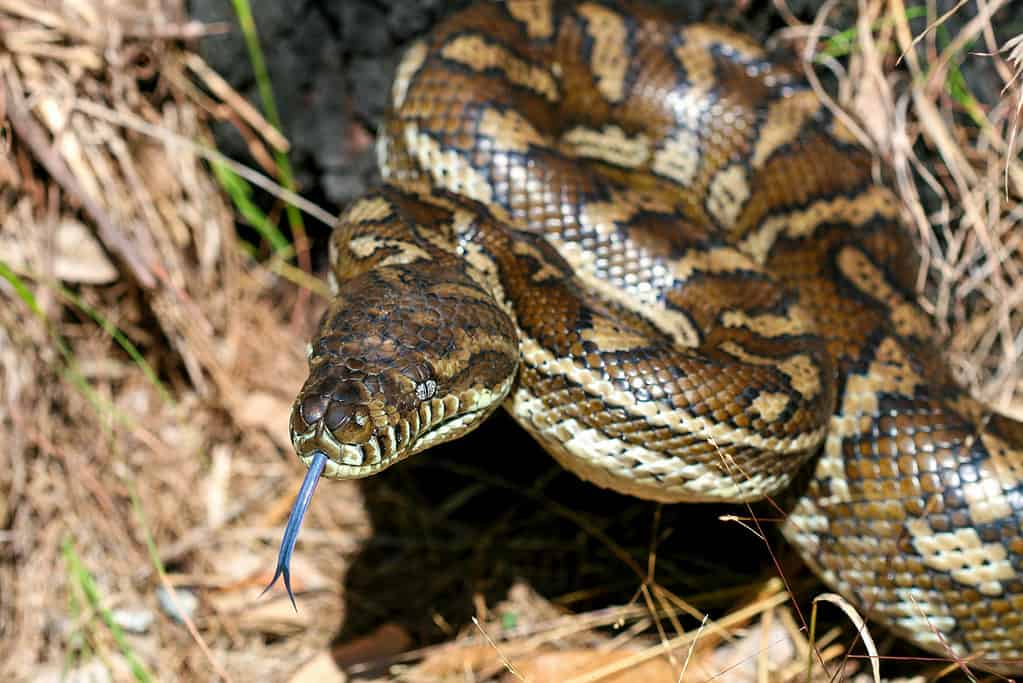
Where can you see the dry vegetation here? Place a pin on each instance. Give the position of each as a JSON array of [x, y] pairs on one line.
[[148, 360]]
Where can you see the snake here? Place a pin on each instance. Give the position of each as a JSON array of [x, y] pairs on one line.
[[680, 271]]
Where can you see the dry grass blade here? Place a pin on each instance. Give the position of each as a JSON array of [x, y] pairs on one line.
[[692, 648], [934, 25], [504, 660], [169, 137], [219, 87], [29, 131], [971, 253], [861, 629], [1014, 49], [88, 357]]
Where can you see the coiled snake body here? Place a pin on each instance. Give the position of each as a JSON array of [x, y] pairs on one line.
[[671, 264]]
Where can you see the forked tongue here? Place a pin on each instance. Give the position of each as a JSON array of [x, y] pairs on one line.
[[298, 508]]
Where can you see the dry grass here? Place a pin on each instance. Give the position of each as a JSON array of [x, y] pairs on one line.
[[147, 365], [963, 197], [546, 645], [194, 427]]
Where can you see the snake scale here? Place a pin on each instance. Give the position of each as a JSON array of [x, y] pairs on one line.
[[672, 265]]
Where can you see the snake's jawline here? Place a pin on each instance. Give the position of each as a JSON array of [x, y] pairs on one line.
[[438, 434]]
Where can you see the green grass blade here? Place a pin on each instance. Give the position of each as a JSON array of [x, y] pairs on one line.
[[21, 289], [957, 87], [243, 11], [69, 371], [248, 25], [842, 43], [154, 553], [86, 583], [240, 193], [122, 340]]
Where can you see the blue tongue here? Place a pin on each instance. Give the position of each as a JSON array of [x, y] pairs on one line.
[[298, 508]]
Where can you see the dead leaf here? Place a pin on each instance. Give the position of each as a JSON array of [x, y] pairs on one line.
[[319, 669], [743, 656], [560, 666], [77, 254], [386, 641]]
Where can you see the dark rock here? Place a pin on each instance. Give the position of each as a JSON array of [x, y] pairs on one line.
[[364, 28], [407, 20], [369, 81]]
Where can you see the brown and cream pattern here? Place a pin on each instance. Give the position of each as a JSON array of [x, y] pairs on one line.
[[652, 247]]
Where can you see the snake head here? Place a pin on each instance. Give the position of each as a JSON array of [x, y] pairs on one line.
[[395, 369], [362, 417], [348, 422]]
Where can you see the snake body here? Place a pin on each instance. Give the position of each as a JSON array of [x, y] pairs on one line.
[[673, 267]]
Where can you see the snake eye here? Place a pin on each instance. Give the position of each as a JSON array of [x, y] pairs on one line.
[[426, 390]]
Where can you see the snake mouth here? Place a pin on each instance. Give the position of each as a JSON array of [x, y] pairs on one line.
[[360, 460], [325, 456], [346, 460]]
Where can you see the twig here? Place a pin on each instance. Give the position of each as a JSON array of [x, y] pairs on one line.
[[188, 31], [500, 655], [220, 87]]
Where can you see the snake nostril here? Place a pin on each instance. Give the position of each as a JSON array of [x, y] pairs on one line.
[[312, 408]]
